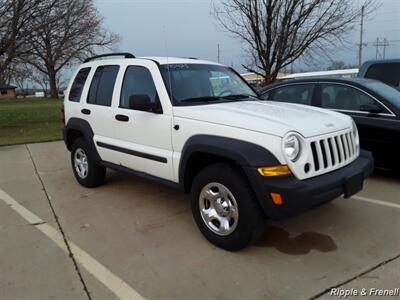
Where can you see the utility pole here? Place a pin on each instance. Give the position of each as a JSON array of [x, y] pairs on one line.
[[218, 56], [384, 43], [361, 45]]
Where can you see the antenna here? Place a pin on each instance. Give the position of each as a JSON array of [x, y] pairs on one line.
[[169, 71]]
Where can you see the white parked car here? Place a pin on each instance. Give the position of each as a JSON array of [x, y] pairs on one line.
[[198, 126]]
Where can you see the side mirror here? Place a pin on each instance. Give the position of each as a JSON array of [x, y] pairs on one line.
[[143, 103], [371, 108]]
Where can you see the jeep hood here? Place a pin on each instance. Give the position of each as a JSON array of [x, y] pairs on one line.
[[267, 117]]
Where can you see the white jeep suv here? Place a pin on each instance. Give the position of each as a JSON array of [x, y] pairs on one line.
[[198, 126]]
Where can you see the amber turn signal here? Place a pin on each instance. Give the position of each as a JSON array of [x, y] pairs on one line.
[[276, 198], [281, 170]]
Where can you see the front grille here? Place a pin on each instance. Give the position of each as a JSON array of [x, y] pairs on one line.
[[331, 152]]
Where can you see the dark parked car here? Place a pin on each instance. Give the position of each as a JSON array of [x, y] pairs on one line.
[[374, 106], [387, 71]]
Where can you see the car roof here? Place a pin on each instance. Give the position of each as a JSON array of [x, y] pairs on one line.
[[321, 73], [352, 81], [158, 60], [382, 61], [179, 60]]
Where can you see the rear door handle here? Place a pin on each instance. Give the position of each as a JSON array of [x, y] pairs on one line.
[[122, 118], [85, 111]]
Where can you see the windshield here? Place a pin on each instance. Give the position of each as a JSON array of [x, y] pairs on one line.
[[192, 84], [389, 93]]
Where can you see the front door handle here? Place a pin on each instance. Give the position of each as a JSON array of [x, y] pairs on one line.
[[85, 111], [122, 118]]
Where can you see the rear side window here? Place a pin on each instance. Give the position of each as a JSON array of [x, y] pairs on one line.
[[78, 84], [298, 93], [336, 96], [388, 73], [102, 86]]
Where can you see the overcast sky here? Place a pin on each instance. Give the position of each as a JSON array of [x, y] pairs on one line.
[[187, 28]]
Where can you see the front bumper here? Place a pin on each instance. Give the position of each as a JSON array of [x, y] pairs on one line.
[[300, 195]]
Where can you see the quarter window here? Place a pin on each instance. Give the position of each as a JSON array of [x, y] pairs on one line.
[[102, 86], [343, 97], [298, 93], [137, 81], [78, 84]]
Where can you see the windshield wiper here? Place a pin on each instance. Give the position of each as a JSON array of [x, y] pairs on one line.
[[239, 96], [203, 99], [207, 99]]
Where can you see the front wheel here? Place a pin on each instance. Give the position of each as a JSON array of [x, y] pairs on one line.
[[224, 207]]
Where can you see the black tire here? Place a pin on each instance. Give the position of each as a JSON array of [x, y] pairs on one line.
[[251, 220], [95, 174]]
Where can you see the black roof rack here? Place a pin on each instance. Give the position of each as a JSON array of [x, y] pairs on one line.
[[124, 54]]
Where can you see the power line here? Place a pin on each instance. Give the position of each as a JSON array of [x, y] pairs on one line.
[[379, 31], [384, 43], [389, 41]]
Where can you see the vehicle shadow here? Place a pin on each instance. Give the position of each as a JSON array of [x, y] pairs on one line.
[[388, 175]]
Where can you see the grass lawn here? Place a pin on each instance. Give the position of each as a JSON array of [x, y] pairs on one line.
[[30, 120]]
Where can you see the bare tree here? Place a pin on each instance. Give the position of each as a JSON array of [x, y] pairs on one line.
[[68, 31], [40, 79], [16, 27], [278, 32], [18, 73]]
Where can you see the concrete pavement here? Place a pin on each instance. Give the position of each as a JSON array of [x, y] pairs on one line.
[[143, 233]]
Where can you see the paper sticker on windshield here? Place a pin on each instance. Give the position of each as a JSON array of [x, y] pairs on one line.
[[179, 66]]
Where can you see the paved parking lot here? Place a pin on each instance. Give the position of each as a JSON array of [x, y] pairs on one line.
[[135, 239]]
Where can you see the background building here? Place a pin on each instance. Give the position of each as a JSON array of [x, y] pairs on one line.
[[7, 91]]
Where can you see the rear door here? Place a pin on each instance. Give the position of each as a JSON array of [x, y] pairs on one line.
[[375, 130], [97, 110]]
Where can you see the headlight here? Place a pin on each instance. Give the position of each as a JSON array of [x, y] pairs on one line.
[[355, 136], [292, 147], [355, 131]]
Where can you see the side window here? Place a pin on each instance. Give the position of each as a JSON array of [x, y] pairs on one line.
[[336, 96], [267, 95], [298, 93], [78, 84], [137, 81], [102, 86], [388, 73]]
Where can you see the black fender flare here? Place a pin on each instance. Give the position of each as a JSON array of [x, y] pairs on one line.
[[242, 153], [84, 127]]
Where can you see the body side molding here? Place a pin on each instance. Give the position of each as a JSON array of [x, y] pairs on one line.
[[133, 152]]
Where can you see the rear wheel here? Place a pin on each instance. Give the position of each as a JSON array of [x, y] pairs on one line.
[[224, 207], [85, 169]]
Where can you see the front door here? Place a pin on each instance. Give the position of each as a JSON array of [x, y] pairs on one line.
[[143, 138]]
